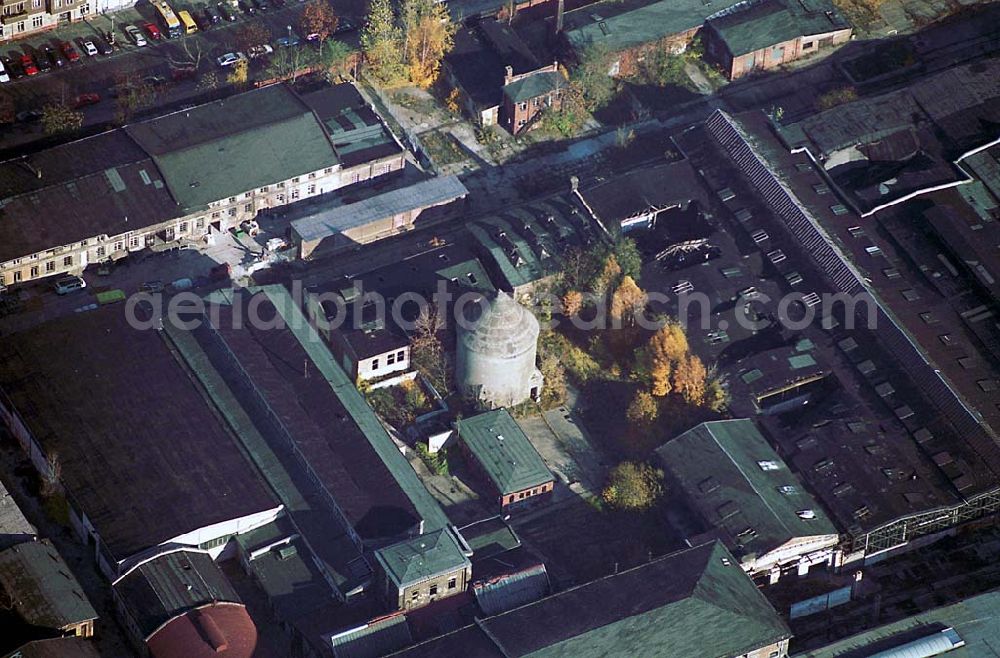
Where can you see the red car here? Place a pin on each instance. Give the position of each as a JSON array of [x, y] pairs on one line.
[[28, 65], [83, 100], [154, 32], [69, 51]]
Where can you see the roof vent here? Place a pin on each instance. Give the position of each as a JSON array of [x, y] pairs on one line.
[[768, 465], [806, 514], [287, 551]]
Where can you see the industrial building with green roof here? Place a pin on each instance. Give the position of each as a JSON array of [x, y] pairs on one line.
[[694, 602], [502, 451], [764, 34], [746, 494], [417, 571], [630, 25]]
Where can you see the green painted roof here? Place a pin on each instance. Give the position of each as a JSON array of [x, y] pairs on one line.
[[490, 537], [755, 26], [242, 142], [623, 24], [42, 587], [504, 451], [422, 557], [695, 602], [533, 86], [976, 620], [733, 478]]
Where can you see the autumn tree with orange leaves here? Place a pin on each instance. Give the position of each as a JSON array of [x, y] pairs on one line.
[[318, 18]]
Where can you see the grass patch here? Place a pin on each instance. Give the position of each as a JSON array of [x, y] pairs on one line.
[[437, 463], [442, 148]]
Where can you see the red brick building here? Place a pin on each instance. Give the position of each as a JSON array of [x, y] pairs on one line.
[[526, 96], [765, 34]]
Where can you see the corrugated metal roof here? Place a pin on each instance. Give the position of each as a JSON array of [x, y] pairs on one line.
[[512, 591], [44, 591]]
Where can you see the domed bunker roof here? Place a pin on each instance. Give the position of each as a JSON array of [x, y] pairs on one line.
[[503, 328]]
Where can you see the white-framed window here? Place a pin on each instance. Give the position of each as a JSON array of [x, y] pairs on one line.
[[311, 189], [37, 20], [183, 228], [50, 266]]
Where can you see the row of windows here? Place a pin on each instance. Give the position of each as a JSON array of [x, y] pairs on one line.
[[525, 494], [391, 359], [433, 590]]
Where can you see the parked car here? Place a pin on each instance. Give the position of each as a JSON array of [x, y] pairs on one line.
[[28, 64], [69, 51], [226, 13], [89, 48], [259, 51], [212, 16], [54, 57], [152, 31], [14, 69], [344, 26], [201, 20], [50, 58], [83, 100], [105, 46], [247, 8], [230, 58], [42, 61], [135, 35], [152, 286], [155, 80], [4, 76], [261, 5], [29, 116], [289, 41], [68, 284]]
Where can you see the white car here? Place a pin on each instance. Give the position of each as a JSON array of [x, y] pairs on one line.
[[230, 58], [135, 35], [68, 284], [4, 77], [89, 48], [259, 51]]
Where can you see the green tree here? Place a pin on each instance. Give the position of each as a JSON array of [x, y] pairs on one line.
[[428, 36], [332, 57], [58, 118], [554, 377], [288, 64], [633, 486], [382, 44], [643, 410], [592, 77], [629, 259]]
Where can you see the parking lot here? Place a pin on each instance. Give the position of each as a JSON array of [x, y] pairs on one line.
[[157, 62]]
